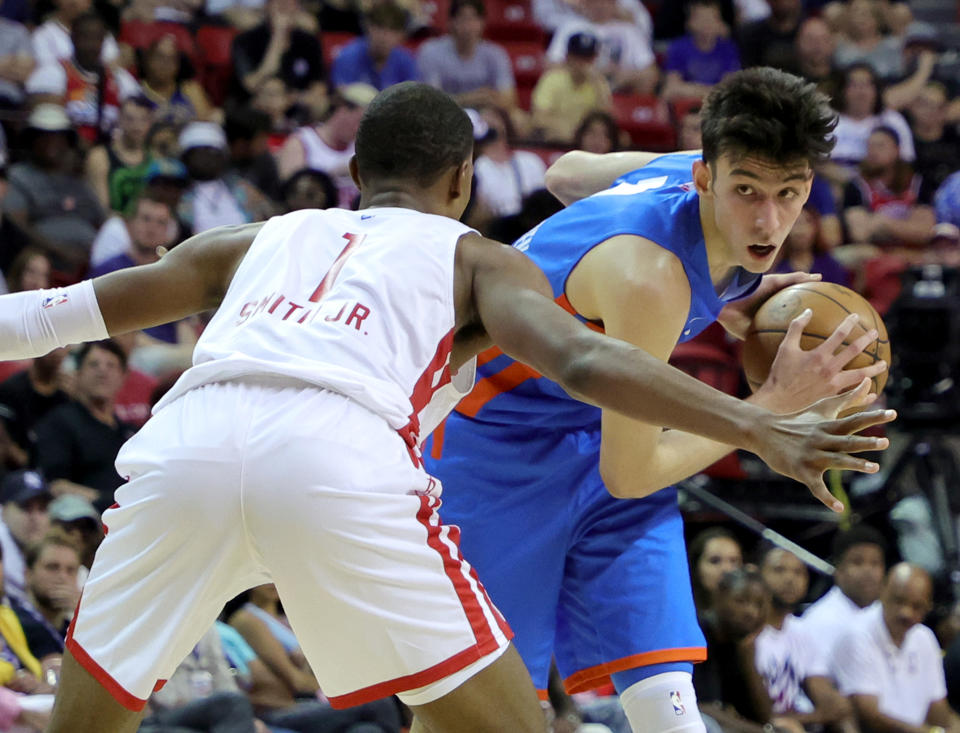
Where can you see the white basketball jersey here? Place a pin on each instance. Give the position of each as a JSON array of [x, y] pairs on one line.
[[358, 302]]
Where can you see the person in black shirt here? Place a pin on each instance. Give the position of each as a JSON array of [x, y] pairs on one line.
[[77, 443], [277, 48], [729, 688], [937, 143], [29, 395], [769, 42]]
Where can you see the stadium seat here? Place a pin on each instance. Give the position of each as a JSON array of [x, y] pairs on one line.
[[512, 20], [646, 119], [332, 43], [527, 59], [680, 106], [214, 43], [436, 13], [138, 34]]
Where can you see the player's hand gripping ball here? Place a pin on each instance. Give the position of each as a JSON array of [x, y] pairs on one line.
[[830, 304]]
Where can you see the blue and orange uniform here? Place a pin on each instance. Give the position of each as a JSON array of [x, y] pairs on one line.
[[599, 582]]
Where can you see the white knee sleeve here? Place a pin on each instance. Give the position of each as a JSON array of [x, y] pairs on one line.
[[35, 322], [664, 703]]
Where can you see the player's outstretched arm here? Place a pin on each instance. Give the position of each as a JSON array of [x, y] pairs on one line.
[[511, 298], [578, 174], [190, 279]]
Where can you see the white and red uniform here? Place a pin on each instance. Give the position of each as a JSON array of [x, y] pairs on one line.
[[290, 453]]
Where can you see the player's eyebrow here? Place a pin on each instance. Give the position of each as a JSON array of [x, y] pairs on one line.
[[798, 176]]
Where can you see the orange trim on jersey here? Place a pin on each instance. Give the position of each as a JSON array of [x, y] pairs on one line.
[[565, 304], [436, 448], [592, 677], [413, 681], [544, 695], [489, 387], [488, 355]]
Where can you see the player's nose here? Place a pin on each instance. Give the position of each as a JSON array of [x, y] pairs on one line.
[[767, 220]]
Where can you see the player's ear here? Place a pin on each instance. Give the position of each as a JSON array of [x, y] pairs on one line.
[[461, 180], [354, 171], [702, 177]]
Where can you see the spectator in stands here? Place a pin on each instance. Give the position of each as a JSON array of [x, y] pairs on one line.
[[713, 553], [597, 133], [29, 395], [822, 203], [937, 144], [802, 251], [89, 90], [309, 189], [859, 560], [16, 62], [769, 42], [921, 49], [626, 53], [56, 208], [25, 497], [149, 229], [247, 133], [888, 662], [274, 99], [217, 196], [473, 71], [277, 47], [670, 19], [887, 203], [52, 42], [702, 57], [201, 695], [861, 41], [328, 146], [537, 206], [30, 270], [947, 200], [52, 595], [688, 130], [14, 239], [799, 689], [116, 169], [378, 58], [165, 181], [729, 688], [566, 94], [77, 443], [814, 47], [504, 175], [77, 519], [861, 108], [175, 98]]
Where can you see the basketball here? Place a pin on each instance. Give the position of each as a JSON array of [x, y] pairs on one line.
[[830, 304]]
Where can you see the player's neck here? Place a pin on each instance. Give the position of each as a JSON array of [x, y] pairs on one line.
[[399, 199], [718, 256]]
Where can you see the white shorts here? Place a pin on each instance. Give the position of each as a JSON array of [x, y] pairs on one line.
[[242, 483]]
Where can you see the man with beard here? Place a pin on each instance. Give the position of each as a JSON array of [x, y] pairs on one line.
[[784, 658], [858, 555], [889, 663]]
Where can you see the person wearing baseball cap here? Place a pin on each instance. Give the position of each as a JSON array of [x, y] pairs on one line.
[[566, 94], [24, 501]]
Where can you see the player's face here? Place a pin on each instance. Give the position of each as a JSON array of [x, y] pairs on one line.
[[786, 577], [860, 573], [755, 205]]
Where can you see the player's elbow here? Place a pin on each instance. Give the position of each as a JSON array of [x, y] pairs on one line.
[[624, 483], [563, 178]]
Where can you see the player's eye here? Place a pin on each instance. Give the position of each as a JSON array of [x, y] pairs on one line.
[[789, 194], [744, 190]]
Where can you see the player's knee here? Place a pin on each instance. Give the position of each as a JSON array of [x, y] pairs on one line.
[[664, 703]]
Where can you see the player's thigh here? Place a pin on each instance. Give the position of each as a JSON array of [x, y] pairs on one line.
[[498, 698]]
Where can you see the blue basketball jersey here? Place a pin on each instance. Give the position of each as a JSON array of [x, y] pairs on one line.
[[657, 202]]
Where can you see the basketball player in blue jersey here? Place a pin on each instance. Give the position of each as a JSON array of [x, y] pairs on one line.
[[536, 480]]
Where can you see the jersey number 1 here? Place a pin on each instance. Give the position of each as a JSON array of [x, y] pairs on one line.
[[353, 241]]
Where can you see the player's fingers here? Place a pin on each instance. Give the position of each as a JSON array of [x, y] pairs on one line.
[[852, 350], [840, 333], [795, 329], [844, 462], [831, 406], [819, 489], [852, 377], [859, 421], [853, 443]]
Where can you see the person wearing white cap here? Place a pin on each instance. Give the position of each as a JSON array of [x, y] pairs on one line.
[[216, 197], [329, 146]]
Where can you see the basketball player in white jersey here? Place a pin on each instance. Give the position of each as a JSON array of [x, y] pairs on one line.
[[289, 452]]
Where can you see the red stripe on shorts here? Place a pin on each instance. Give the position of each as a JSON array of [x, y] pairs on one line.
[[116, 690]]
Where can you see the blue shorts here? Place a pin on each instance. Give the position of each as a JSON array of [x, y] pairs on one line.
[[600, 583]]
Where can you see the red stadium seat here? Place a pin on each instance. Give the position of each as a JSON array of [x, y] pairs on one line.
[[333, 42], [215, 45], [512, 20], [437, 13], [527, 59], [138, 34], [680, 106], [646, 119]]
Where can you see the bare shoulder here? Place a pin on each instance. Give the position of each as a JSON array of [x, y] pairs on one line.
[[625, 270]]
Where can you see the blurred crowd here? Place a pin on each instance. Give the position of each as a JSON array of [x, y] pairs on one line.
[[129, 126]]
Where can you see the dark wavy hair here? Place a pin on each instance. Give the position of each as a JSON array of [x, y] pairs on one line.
[[413, 132], [770, 114]]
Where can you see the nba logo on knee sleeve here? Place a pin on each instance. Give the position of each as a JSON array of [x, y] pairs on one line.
[[678, 707]]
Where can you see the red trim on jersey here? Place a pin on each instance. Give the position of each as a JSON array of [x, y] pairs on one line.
[[353, 240], [423, 391], [593, 677], [104, 524], [412, 681], [129, 701]]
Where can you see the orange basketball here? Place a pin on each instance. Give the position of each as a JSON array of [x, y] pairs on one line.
[[830, 304]]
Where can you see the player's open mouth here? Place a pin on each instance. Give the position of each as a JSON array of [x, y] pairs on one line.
[[761, 251]]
